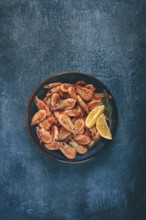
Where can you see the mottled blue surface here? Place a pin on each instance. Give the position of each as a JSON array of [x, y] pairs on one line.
[[106, 39]]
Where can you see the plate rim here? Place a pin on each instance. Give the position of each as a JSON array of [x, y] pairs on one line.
[[104, 148]]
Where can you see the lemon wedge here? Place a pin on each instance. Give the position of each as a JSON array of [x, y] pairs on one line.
[[93, 115], [102, 127]]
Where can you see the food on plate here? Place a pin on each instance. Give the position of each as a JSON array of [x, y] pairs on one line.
[[72, 118]]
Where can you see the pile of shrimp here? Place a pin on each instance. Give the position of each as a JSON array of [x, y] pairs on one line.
[[60, 119]]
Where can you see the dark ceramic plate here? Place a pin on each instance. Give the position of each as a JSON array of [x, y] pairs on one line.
[[69, 77]]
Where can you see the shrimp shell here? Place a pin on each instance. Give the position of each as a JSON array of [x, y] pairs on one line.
[[92, 104], [78, 126], [64, 87], [82, 104], [55, 89], [48, 122], [41, 105], [63, 95], [91, 144], [67, 150], [65, 121], [72, 92], [39, 116], [75, 112], [81, 131], [53, 146], [94, 134], [46, 100], [85, 93], [98, 95], [90, 87], [54, 133], [54, 99], [82, 139], [44, 135], [63, 133], [79, 148], [65, 104], [80, 83]]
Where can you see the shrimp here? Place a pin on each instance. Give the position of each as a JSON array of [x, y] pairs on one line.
[[87, 132], [79, 148], [54, 99], [91, 144], [92, 104], [44, 135], [64, 87], [82, 104], [67, 150], [53, 146], [48, 122], [94, 134], [78, 126], [82, 139], [39, 116], [55, 89], [72, 92], [54, 133], [63, 95], [46, 100], [66, 122], [65, 104], [80, 83], [63, 133], [41, 105], [52, 85], [90, 87], [81, 131], [75, 112], [85, 93], [100, 96]]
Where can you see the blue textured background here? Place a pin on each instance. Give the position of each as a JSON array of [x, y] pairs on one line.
[[106, 39]]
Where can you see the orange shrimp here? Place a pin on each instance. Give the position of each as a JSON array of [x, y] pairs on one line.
[[80, 83], [41, 105], [48, 122], [55, 133], [65, 104], [38, 117], [72, 92], [94, 134], [54, 99], [64, 87], [65, 121], [90, 87], [82, 139], [63, 133], [67, 150], [92, 104], [44, 135], [79, 148], [85, 93], [53, 146], [82, 104], [78, 126], [75, 112], [46, 100]]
